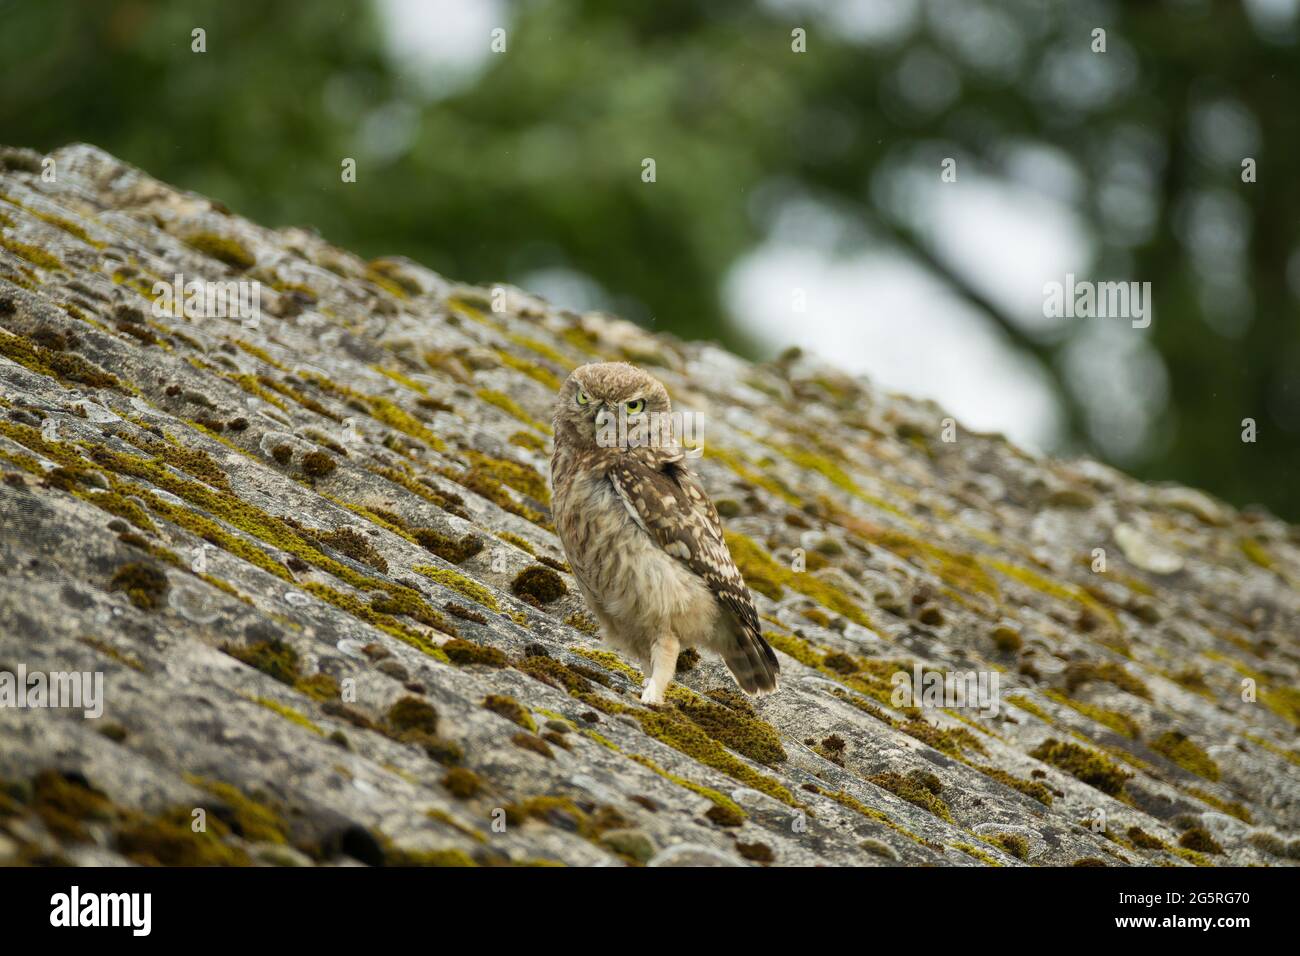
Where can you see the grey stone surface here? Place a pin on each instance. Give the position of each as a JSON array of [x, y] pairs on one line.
[[265, 536]]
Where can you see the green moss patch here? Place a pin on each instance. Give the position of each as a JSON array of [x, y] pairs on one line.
[[960, 571], [1145, 841], [1030, 788], [169, 839], [511, 710], [451, 549], [1013, 844], [1027, 705], [733, 723], [1199, 840], [33, 254], [274, 658], [1183, 751], [222, 248], [458, 582], [482, 482], [767, 576], [67, 368], [354, 544], [412, 713], [556, 673], [1119, 722], [1086, 765], [538, 585], [280, 662], [464, 653], [450, 857], [318, 464], [523, 478], [255, 820], [534, 370], [917, 788], [1233, 808], [954, 741], [684, 735], [512, 408], [144, 584], [1079, 673], [291, 715], [462, 782], [973, 851]]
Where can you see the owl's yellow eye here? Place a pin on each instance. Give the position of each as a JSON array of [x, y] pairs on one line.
[[583, 397], [636, 407]]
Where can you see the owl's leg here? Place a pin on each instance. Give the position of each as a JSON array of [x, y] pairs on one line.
[[663, 664]]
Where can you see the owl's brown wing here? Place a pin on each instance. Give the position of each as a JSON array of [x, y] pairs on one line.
[[666, 500]]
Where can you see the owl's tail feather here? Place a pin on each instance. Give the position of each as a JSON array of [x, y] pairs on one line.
[[752, 662]]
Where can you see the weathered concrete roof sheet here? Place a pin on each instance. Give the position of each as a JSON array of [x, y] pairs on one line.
[[312, 557]]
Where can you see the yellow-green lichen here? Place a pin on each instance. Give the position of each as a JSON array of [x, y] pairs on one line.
[[1256, 552], [466, 586], [538, 373], [67, 368], [982, 855], [253, 819], [732, 721], [1086, 765], [1116, 721], [143, 583], [521, 477], [223, 248], [33, 254], [509, 708], [1078, 673], [395, 416], [464, 653], [871, 813], [918, 788], [1027, 705], [1184, 751], [1231, 807], [482, 482], [764, 574], [291, 715], [528, 440], [512, 408]]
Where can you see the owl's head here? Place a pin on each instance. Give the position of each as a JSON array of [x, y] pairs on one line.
[[595, 397]]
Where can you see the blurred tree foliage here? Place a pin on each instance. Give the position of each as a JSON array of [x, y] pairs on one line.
[[536, 163]]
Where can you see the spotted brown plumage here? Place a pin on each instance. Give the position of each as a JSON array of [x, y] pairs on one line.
[[643, 539], [687, 527]]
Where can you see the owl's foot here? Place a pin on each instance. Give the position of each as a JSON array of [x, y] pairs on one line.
[[663, 665], [647, 692]]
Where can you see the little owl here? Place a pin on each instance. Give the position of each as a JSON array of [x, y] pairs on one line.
[[642, 537]]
